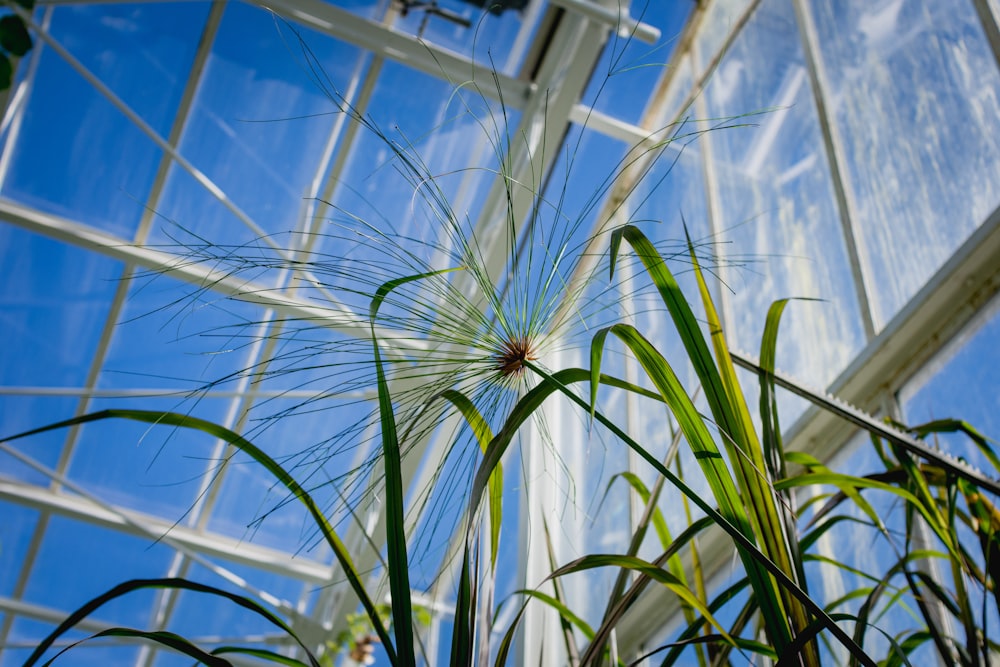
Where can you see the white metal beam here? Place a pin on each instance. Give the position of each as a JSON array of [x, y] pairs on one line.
[[394, 45], [211, 544]]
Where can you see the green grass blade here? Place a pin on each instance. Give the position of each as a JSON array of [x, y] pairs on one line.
[[572, 651], [565, 612], [558, 381], [773, 527], [680, 311], [770, 426], [729, 409], [716, 473], [263, 654], [690, 633], [617, 610], [168, 583], [845, 482], [465, 617], [596, 354], [269, 464], [395, 510], [986, 524], [656, 515], [483, 434], [958, 426], [647, 569], [168, 639]]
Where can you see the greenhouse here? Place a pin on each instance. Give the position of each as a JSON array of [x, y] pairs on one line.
[[529, 332]]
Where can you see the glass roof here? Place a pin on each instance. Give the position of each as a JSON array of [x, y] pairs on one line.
[[198, 200], [146, 145]]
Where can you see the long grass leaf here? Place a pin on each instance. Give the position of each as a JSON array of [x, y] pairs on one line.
[[621, 605], [572, 651], [269, 464], [483, 434], [733, 418], [168, 639], [263, 654], [565, 612], [464, 619], [395, 510], [173, 583], [716, 472], [558, 381], [647, 569]]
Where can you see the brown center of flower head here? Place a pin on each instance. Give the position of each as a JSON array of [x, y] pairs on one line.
[[512, 355]]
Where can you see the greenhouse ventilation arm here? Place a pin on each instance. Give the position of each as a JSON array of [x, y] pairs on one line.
[[883, 430]]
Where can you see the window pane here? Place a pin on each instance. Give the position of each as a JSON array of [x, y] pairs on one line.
[[914, 92], [961, 383], [775, 204], [78, 156], [257, 129], [54, 300]]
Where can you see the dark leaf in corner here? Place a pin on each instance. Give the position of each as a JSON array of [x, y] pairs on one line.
[[14, 36], [6, 72]]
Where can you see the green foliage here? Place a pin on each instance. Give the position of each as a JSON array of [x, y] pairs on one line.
[[15, 42], [752, 501], [481, 366]]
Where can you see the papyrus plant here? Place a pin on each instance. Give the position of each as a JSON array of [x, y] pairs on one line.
[[483, 361]]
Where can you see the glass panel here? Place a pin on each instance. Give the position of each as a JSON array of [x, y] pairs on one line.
[[257, 129], [452, 135], [155, 469], [961, 383], [54, 299], [62, 160], [906, 146], [23, 413], [719, 21], [775, 203], [79, 561], [16, 531], [323, 443], [171, 335], [568, 213], [628, 72], [677, 95]]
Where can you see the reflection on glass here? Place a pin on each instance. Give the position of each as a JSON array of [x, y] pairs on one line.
[[920, 158], [775, 202], [719, 21]]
